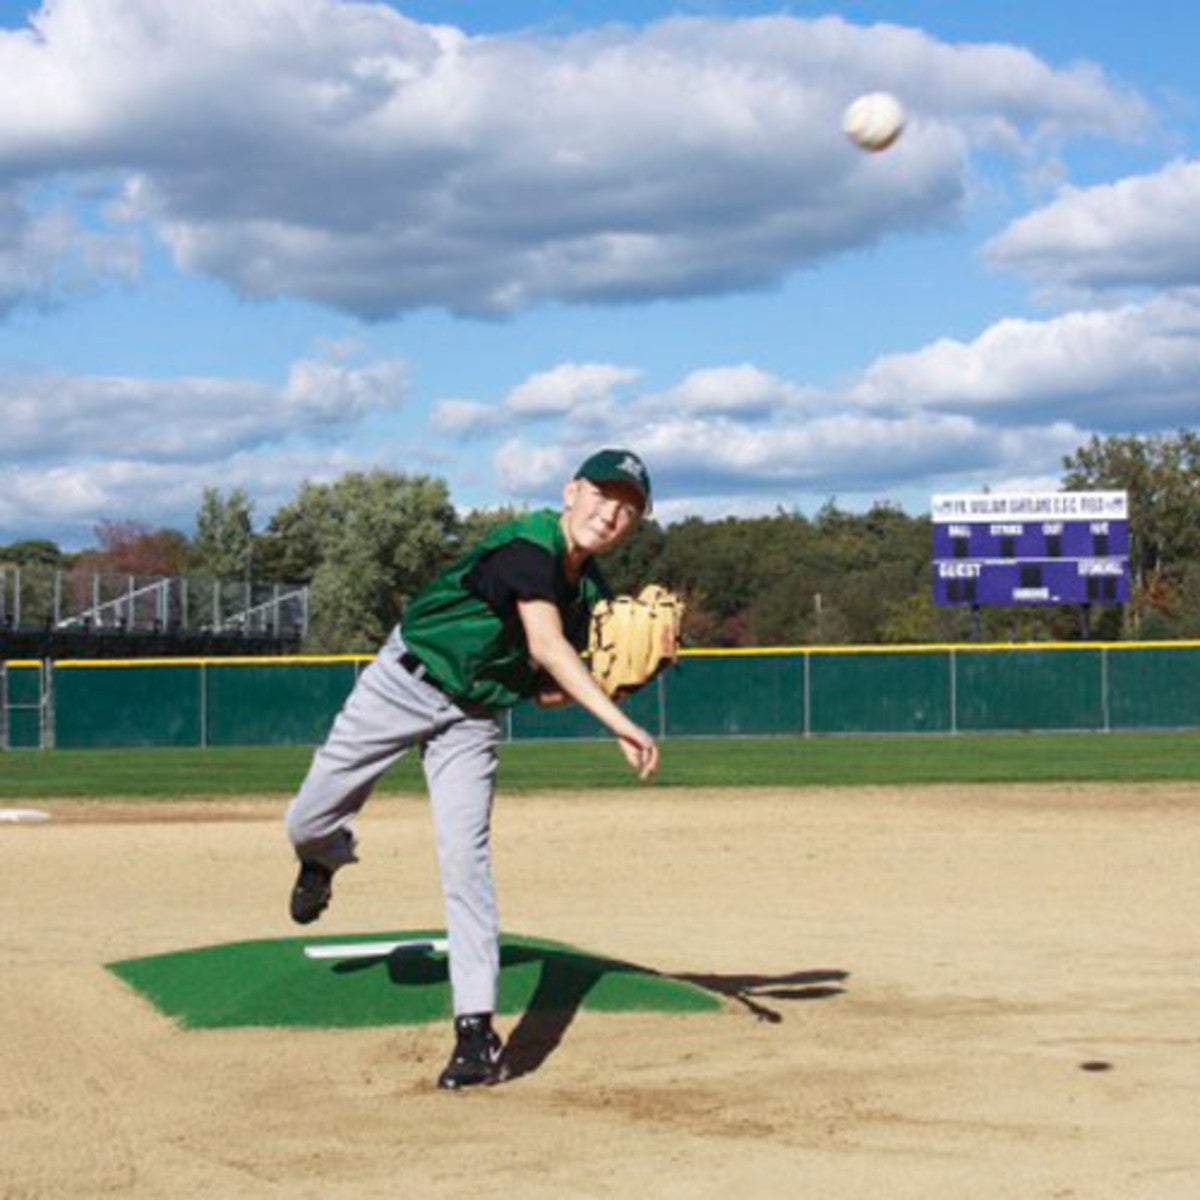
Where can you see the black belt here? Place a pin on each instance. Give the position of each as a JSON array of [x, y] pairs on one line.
[[418, 670]]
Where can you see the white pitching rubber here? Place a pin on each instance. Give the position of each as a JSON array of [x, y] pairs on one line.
[[14, 816], [373, 949]]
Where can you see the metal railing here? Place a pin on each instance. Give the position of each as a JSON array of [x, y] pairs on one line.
[[42, 598]]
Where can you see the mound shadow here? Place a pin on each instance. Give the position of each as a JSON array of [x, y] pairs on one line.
[[566, 978]]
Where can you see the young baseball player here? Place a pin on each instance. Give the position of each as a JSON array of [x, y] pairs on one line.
[[504, 622]]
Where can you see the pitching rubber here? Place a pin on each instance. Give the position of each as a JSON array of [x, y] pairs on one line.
[[374, 949]]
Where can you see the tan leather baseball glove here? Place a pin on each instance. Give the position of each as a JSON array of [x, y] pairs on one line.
[[633, 638]]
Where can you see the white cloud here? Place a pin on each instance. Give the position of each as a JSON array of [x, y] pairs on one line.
[[691, 461], [53, 417], [1141, 231], [322, 392], [585, 396], [464, 419], [581, 393], [565, 388], [341, 152], [46, 256], [1132, 368], [745, 391], [1008, 405], [68, 499], [527, 470]]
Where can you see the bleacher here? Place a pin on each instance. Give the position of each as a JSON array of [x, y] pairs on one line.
[[45, 613]]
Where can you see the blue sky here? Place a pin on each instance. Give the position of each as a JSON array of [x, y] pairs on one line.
[[252, 245]]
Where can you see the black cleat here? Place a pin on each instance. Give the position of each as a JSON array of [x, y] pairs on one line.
[[478, 1057], [311, 895]]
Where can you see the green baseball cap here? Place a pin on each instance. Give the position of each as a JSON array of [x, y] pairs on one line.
[[618, 466]]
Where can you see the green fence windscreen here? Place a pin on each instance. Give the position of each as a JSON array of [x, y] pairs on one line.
[[1154, 688], [1048, 689], [127, 706], [262, 704], [570, 721], [745, 695], [880, 693], [964, 689], [22, 706]]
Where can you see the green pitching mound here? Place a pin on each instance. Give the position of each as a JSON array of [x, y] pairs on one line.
[[275, 983]]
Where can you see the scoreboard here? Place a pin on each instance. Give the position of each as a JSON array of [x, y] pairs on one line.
[[1004, 550]]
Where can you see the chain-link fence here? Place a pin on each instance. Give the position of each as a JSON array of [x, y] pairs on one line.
[[796, 692]]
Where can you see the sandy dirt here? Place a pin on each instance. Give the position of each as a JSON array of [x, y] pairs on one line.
[[915, 979]]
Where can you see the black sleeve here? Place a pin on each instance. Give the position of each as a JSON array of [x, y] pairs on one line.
[[518, 570]]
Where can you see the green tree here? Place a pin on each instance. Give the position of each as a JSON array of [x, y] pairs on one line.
[[915, 619], [365, 543], [33, 552], [224, 534], [637, 561], [1161, 473], [479, 522]]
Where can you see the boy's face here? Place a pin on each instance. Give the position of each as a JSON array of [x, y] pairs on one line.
[[598, 515]]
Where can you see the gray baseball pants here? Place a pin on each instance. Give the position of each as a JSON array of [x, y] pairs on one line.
[[388, 712]]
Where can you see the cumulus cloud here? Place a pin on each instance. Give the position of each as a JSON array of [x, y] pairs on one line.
[[1141, 231], [75, 448], [1132, 368], [344, 153], [692, 460], [53, 416], [320, 392], [70, 498], [1007, 406], [464, 419], [745, 391], [47, 256], [581, 393], [565, 388]]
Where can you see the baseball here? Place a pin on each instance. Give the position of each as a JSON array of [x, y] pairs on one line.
[[874, 121]]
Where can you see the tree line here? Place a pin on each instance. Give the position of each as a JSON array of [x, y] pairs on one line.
[[367, 541]]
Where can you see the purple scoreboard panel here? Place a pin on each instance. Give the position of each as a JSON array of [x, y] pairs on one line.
[[1001, 550]]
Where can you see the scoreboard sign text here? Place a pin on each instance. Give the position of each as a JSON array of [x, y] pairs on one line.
[[1000, 550]]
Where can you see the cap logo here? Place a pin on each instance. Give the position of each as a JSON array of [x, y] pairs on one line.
[[631, 466]]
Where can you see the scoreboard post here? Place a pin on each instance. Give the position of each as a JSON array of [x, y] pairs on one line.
[[1017, 549]]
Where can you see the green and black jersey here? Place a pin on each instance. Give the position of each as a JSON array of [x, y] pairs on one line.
[[465, 628]]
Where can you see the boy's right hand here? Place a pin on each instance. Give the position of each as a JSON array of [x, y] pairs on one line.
[[640, 750]]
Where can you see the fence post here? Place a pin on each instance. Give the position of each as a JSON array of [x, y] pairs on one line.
[[807, 693], [203, 705], [1105, 708], [47, 725], [953, 690], [662, 705]]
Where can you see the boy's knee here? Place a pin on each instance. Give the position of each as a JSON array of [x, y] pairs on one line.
[[294, 825], [314, 840]]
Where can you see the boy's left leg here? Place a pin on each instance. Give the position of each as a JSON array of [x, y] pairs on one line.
[[460, 768]]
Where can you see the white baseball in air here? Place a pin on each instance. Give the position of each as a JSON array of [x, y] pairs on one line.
[[873, 121]]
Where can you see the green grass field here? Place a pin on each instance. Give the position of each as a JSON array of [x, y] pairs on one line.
[[565, 766]]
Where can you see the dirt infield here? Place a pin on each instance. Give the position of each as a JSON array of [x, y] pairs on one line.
[[942, 991]]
